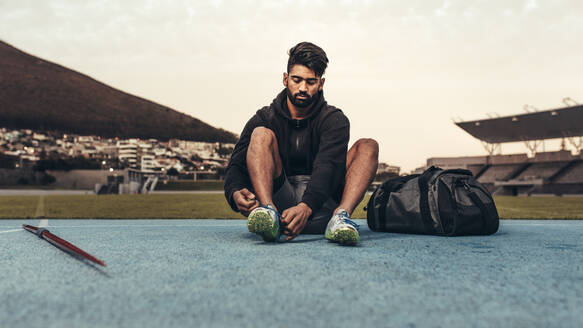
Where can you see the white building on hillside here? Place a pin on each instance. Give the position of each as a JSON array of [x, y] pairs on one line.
[[128, 151], [148, 162]]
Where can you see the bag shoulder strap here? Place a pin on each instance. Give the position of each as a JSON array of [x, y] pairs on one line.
[[478, 202], [424, 197]]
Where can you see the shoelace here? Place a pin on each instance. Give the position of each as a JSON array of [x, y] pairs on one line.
[[344, 218], [277, 214]]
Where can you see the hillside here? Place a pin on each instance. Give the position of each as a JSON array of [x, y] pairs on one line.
[[40, 95]]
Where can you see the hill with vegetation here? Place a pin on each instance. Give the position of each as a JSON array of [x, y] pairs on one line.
[[43, 96]]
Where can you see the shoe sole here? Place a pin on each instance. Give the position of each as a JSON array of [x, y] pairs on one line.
[[262, 224], [345, 237]]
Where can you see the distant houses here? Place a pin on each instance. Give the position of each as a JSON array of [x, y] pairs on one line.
[[27, 147]]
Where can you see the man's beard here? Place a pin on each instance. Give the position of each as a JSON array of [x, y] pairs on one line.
[[298, 102]]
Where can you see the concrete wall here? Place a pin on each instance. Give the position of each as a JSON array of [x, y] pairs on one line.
[[82, 179], [554, 156], [508, 159], [456, 162], [464, 161], [10, 177]]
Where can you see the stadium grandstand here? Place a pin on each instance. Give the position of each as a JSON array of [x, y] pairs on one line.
[[547, 172]]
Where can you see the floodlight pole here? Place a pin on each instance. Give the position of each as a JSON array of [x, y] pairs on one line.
[[492, 147], [533, 145], [577, 143]]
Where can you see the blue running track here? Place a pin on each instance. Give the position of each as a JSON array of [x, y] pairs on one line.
[[213, 273]]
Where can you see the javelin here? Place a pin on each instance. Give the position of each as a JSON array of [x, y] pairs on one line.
[[62, 244]]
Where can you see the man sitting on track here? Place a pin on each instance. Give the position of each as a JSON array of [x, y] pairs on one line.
[[292, 157]]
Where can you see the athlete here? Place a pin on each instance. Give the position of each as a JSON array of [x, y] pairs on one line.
[[291, 171]]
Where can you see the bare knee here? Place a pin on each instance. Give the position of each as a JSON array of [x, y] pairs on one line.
[[366, 150], [263, 136], [367, 147], [263, 149]]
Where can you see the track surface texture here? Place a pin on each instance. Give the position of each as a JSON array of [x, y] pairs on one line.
[[213, 273]]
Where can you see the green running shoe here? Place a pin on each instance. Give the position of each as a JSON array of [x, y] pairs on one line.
[[264, 221], [341, 229]]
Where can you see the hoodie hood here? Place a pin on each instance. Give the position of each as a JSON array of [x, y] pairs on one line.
[[298, 132], [279, 105]]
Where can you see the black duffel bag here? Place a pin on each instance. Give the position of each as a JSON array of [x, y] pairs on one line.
[[437, 202]]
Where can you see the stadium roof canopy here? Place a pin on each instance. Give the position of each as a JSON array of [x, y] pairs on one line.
[[549, 124]]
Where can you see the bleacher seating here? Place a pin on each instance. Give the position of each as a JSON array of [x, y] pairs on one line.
[[498, 172], [541, 170], [475, 169], [573, 175]]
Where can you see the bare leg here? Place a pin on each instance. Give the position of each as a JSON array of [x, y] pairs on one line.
[[362, 161], [263, 163]]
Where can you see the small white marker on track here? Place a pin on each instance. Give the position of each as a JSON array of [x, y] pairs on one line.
[[7, 231]]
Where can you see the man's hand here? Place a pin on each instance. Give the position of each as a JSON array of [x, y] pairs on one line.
[[294, 220], [245, 201]]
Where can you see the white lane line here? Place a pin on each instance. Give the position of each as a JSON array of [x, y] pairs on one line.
[[7, 231], [40, 212], [134, 226], [40, 207], [141, 226], [148, 226]]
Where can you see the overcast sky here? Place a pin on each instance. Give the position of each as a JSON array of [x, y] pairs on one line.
[[400, 70]]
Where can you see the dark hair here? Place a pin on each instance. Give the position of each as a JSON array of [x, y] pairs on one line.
[[309, 55]]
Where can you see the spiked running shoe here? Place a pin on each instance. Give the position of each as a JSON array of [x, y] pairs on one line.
[[264, 221], [341, 229]]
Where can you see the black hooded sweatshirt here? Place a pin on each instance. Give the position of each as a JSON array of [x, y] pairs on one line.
[[315, 145]]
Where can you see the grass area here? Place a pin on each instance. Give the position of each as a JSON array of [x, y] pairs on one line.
[[191, 185], [214, 206], [539, 207], [18, 207], [165, 206]]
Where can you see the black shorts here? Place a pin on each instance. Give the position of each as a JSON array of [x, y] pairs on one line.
[[288, 192]]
